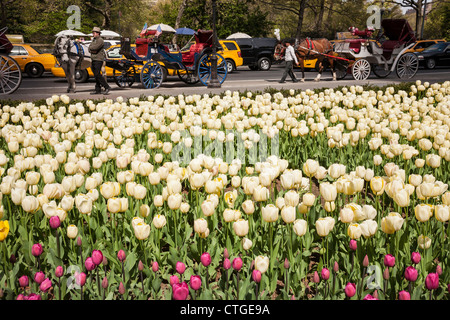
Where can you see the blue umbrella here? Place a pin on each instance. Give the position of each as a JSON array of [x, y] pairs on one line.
[[185, 31]]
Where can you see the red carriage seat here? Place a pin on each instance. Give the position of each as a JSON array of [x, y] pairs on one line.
[[189, 56], [355, 44], [389, 46], [142, 47]]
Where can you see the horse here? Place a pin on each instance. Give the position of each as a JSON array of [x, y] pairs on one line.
[[71, 55], [320, 49]]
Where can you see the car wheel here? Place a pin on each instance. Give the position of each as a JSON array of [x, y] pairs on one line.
[[264, 64], [230, 66], [430, 63], [34, 70], [81, 76]]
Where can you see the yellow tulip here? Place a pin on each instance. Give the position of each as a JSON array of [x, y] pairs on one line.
[[4, 229]]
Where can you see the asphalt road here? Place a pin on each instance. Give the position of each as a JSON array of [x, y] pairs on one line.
[[240, 80]]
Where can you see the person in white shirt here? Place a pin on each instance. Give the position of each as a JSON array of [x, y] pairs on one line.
[[290, 58]]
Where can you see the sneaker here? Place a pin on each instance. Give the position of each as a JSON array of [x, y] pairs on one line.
[[106, 91], [281, 81], [294, 81]]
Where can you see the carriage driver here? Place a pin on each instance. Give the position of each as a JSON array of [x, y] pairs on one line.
[[98, 56]]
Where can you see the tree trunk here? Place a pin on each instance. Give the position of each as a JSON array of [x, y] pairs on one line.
[[328, 20], [301, 13], [178, 20], [320, 16], [419, 17]]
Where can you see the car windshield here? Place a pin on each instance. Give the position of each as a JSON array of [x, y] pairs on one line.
[[436, 47]]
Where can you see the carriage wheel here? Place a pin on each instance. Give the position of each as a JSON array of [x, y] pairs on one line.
[[361, 69], [381, 70], [341, 69], [205, 67], [151, 75], [10, 75], [187, 76], [407, 66], [124, 78]]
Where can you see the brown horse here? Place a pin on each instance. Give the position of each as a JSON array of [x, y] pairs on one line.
[[312, 49]]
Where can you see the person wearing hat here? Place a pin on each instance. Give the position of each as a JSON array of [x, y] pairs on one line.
[[98, 56], [290, 58]]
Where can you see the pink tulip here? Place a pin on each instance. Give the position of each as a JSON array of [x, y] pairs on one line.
[[97, 257], [180, 267], [389, 260], [226, 254], [350, 289], [121, 288], [366, 261], [140, 266], [20, 297], [104, 261], [195, 282], [105, 282], [438, 269], [432, 281], [89, 264], [180, 291], [415, 257], [286, 263], [45, 285], [39, 277], [237, 264], [33, 296], [121, 255], [59, 271], [336, 267], [369, 297], [325, 273], [411, 274], [386, 274], [316, 278], [353, 245], [80, 278], [404, 295], [23, 281], [36, 249], [155, 266], [226, 264], [256, 276], [174, 279], [205, 259], [79, 241], [54, 222]]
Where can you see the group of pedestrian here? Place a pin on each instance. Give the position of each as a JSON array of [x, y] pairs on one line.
[[96, 49]]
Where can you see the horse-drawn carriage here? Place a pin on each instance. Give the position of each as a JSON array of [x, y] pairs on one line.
[[382, 56], [154, 60], [10, 74]]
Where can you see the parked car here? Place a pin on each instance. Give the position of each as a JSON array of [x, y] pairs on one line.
[[231, 52], [421, 45], [436, 55], [31, 60], [257, 53]]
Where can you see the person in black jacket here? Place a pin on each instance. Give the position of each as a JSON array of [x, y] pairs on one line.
[[96, 48]]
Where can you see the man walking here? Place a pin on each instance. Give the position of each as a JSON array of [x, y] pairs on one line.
[[97, 57], [290, 58]]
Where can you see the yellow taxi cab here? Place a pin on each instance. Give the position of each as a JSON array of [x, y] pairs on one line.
[[31, 60], [421, 45], [84, 75]]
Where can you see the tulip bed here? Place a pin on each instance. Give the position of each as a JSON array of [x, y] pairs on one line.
[[350, 202]]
